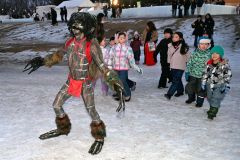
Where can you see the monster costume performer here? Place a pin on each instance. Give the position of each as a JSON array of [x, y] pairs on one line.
[[85, 63]]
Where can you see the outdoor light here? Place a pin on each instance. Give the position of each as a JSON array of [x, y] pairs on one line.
[[115, 2]]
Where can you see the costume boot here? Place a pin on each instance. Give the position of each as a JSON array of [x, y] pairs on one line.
[[63, 128], [98, 131]]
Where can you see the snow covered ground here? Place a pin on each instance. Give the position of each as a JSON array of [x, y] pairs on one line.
[[152, 127]]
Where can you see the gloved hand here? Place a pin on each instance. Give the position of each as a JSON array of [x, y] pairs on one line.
[[203, 87], [34, 64], [140, 71], [225, 89]]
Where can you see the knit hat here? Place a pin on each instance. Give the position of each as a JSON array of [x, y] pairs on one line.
[[168, 30], [219, 50], [136, 33], [204, 39]]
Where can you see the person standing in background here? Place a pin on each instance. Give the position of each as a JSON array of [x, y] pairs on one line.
[[174, 8], [193, 7], [199, 6], [65, 13]]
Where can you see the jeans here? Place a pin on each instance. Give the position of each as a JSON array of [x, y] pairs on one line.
[[177, 84], [123, 75]]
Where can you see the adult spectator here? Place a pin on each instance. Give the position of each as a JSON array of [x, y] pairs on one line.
[[180, 8], [238, 9], [105, 11], [209, 25], [199, 6], [54, 17], [150, 38], [187, 4], [99, 31], [65, 13], [174, 8], [62, 14], [193, 7], [198, 26]]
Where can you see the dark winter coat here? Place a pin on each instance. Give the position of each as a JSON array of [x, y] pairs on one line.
[[174, 4], [209, 25], [193, 5], [187, 4], [200, 3], [162, 47], [135, 44], [198, 28]]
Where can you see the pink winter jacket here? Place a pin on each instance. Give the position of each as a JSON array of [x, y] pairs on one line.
[[121, 57], [176, 59]]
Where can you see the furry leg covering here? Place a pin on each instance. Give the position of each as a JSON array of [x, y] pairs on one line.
[[98, 130], [63, 125]]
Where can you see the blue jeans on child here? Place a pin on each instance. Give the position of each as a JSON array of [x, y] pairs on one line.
[[123, 75], [177, 84]]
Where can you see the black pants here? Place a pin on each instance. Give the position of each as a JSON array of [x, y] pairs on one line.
[[193, 88], [166, 74], [137, 55]]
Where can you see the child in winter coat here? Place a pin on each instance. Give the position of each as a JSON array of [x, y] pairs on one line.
[[216, 79], [178, 55], [135, 44], [106, 56], [162, 47], [195, 68], [121, 59]]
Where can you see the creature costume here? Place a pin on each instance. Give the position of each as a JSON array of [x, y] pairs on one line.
[[85, 62]]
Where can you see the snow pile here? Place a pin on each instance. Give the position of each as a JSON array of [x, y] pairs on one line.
[[166, 11], [40, 31]]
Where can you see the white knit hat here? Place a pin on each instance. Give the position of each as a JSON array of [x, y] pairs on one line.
[[204, 40], [136, 33]]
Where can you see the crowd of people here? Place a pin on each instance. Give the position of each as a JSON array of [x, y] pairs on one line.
[[183, 6], [207, 71]]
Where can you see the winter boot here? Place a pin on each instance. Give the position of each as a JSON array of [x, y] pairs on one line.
[[178, 94], [200, 101], [98, 131], [191, 98], [212, 112], [167, 96], [63, 128]]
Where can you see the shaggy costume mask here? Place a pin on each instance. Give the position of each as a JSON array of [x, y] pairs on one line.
[[83, 22]]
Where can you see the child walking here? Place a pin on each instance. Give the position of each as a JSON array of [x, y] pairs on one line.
[[216, 79], [106, 56], [162, 47], [121, 59], [178, 55], [135, 44], [195, 68]]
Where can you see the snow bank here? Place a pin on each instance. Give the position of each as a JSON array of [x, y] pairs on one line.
[[21, 20], [166, 11]]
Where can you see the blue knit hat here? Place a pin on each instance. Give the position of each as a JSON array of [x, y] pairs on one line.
[[219, 50]]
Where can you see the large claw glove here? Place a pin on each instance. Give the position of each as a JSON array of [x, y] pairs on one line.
[[115, 83], [119, 89], [96, 147], [34, 64]]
